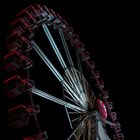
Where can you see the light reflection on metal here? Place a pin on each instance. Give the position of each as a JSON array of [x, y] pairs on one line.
[[68, 73], [66, 47], [56, 73], [56, 100], [53, 44]]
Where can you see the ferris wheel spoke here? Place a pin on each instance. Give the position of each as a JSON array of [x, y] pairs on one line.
[[68, 88], [74, 119], [76, 87], [66, 47], [54, 46], [78, 118], [46, 60], [75, 102], [81, 132], [78, 131], [70, 58], [79, 127], [62, 62], [76, 76], [89, 93], [72, 78], [68, 116], [84, 87], [69, 119], [81, 101], [78, 60], [67, 52], [73, 113], [91, 98], [83, 82], [56, 100], [79, 82]]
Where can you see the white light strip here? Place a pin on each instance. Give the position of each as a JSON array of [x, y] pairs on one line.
[[56, 100], [54, 46], [74, 76], [69, 118], [66, 47], [73, 84], [46, 60], [60, 58], [77, 75], [77, 103], [54, 70]]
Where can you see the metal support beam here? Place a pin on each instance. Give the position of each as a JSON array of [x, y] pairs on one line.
[[55, 72], [56, 100]]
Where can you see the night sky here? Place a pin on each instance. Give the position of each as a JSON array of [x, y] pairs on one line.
[[106, 29]]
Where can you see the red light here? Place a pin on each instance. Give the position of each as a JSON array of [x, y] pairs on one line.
[[102, 109]]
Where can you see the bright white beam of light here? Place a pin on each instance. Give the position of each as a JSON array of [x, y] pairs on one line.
[[46, 60], [66, 47], [55, 72], [56, 100], [72, 76], [73, 72], [72, 100], [54, 46], [69, 118], [73, 83], [80, 81], [62, 62]]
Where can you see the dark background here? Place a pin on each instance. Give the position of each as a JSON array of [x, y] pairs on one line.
[[109, 33]]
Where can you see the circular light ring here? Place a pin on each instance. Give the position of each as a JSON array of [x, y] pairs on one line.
[[102, 109]]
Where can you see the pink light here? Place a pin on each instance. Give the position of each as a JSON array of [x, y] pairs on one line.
[[102, 109]]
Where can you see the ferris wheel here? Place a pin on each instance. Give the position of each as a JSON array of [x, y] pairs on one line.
[[70, 69]]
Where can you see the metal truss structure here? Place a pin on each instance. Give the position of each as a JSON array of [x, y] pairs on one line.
[[87, 104]]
